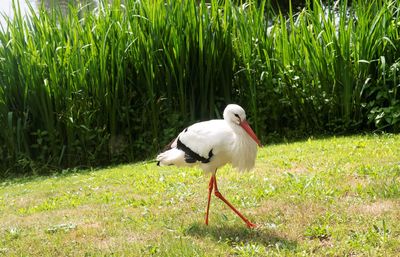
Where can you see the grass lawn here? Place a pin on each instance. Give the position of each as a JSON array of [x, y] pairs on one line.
[[338, 196]]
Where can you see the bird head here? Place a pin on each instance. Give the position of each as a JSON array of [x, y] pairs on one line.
[[236, 115]]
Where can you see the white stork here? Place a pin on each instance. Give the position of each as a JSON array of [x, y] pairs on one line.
[[211, 144]]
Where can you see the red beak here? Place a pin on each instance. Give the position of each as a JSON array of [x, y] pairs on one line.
[[249, 131]]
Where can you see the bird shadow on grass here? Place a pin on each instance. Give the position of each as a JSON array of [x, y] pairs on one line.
[[235, 235]]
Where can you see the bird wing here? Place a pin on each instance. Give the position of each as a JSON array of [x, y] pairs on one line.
[[204, 139]]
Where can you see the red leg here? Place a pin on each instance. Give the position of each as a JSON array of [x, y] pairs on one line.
[[210, 189], [219, 195]]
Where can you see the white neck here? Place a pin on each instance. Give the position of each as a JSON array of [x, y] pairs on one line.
[[244, 150]]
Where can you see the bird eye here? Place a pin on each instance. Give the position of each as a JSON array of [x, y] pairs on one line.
[[237, 115]]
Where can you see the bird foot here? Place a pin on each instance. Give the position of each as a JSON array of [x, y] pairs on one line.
[[251, 225]]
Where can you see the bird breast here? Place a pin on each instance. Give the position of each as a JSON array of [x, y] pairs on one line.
[[244, 151]]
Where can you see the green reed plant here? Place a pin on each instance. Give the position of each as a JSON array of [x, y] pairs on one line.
[[92, 88]]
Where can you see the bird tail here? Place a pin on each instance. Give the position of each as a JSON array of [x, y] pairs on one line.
[[173, 156]]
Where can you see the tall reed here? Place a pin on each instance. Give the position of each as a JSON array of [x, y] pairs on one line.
[[115, 85]]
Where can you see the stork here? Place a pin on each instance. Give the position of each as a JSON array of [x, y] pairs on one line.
[[212, 144]]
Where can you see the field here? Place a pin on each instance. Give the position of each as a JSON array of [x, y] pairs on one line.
[[335, 196]]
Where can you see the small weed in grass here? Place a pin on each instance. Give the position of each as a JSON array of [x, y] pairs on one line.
[[61, 227]]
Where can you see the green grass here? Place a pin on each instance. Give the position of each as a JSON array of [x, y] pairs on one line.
[[337, 196]]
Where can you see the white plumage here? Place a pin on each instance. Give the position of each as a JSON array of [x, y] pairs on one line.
[[227, 140], [211, 144]]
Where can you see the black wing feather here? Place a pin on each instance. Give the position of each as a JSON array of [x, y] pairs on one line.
[[191, 156]]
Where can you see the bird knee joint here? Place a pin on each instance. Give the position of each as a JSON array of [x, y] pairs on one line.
[[217, 194]]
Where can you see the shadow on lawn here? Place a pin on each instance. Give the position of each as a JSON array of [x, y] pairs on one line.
[[239, 234]]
